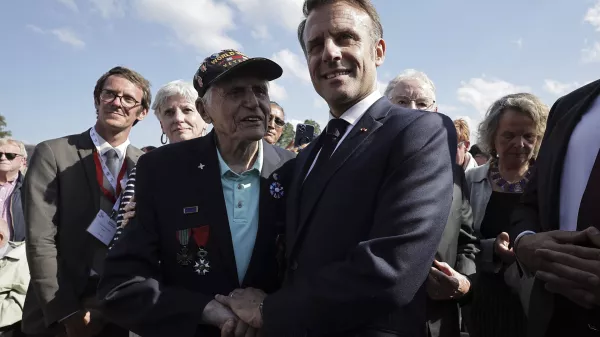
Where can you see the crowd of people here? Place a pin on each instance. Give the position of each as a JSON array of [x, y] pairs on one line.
[[389, 223]]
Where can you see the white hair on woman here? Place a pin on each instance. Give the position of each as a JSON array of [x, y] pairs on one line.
[[408, 74], [174, 88]]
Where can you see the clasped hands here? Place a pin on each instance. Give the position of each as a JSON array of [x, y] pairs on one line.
[[445, 283], [236, 315], [568, 263]]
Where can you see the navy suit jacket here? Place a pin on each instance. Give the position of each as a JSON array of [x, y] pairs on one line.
[[147, 287], [362, 235]]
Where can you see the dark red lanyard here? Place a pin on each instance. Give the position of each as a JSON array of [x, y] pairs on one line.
[[100, 178]]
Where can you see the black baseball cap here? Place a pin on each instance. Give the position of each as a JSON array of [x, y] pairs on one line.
[[230, 62]]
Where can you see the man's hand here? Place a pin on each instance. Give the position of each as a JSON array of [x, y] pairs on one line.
[[569, 263], [445, 283], [77, 325], [129, 212], [501, 248], [245, 303]]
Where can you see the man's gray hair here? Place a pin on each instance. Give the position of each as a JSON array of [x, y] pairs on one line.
[[527, 104], [20, 145], [408, 74], [174, 88]]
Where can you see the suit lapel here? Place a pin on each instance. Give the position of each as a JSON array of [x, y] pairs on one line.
[[131, 158], [85, 150], [314, 185], [266, 213], [207, 181], [560, 139]]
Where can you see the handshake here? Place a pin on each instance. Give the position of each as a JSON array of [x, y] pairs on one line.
[[237, 315]]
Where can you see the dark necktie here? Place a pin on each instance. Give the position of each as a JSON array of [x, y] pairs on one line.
[[588, 209], [336, 128]]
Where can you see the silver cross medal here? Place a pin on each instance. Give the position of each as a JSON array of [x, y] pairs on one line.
[[201, 166]]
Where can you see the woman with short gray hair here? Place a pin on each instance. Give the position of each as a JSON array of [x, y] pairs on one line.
[[511, 132], [175, 108]]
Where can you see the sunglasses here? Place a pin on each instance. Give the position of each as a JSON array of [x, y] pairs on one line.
[[9, 156], [278, 121]]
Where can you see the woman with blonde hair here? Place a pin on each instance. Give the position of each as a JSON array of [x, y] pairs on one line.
[[511, 133]]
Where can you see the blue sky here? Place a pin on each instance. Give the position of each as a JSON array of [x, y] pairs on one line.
[[53, 51]]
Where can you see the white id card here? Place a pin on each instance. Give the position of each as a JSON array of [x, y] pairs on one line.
[[103, 227]]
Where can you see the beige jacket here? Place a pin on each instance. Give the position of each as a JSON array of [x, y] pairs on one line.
[[14, 279]]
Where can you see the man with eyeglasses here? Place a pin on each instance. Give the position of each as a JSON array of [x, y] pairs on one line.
[[445, 284], [13, 160], [276, 123], [70, 195]]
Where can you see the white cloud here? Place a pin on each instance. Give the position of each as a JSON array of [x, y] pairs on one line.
[[286, 14], [109, 8], [558, 88], [593, 16], [447, 109], [199, 23], [381, 87], [261, 32], [68, 36], [277, 92], [319, 103], [292, 64], [480, 93], [70, 4], [591, 54], [65, 35], [36, 29], [518, 42]]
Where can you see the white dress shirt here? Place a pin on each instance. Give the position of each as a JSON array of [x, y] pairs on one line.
[[121, 150], [351, 116], [579, 160]]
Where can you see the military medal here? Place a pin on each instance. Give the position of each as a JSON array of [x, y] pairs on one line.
[[184, 257], [200, 235], [276, 190]]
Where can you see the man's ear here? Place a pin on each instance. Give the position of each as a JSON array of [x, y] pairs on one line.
[[200, 106]]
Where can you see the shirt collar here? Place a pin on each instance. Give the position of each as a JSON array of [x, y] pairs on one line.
[[256, 167], [105, 146], [353, 114], [13, 250]]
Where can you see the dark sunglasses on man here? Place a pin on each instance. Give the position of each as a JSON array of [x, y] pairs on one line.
[[278, 121], [8, 155]]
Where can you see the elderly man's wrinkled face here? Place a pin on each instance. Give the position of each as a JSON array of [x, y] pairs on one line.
[[119, 104], [180, 120], [11, 158], [342, 56], [414, 94], [275, 125], [515, 139], [239, 109]]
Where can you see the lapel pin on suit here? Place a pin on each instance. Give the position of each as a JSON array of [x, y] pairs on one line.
[[363, 129], [201, 166], [276, 189]]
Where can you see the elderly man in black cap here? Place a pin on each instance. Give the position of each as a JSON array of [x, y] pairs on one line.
[[208, 213]]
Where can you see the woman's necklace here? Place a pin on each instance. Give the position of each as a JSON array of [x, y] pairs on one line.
[[506, 186]]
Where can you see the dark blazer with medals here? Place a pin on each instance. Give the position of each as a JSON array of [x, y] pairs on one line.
[[362, 235], [176, 254], [61, 196], [540, 207]]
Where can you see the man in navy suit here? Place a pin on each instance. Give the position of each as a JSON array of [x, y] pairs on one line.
[[369, 198], [208, 213]]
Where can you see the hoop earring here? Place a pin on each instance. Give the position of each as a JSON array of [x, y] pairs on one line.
[[163, 139]]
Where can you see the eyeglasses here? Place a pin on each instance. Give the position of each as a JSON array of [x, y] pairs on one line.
[[8, 155], [420, 103], [127, 102], [280, 122]]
